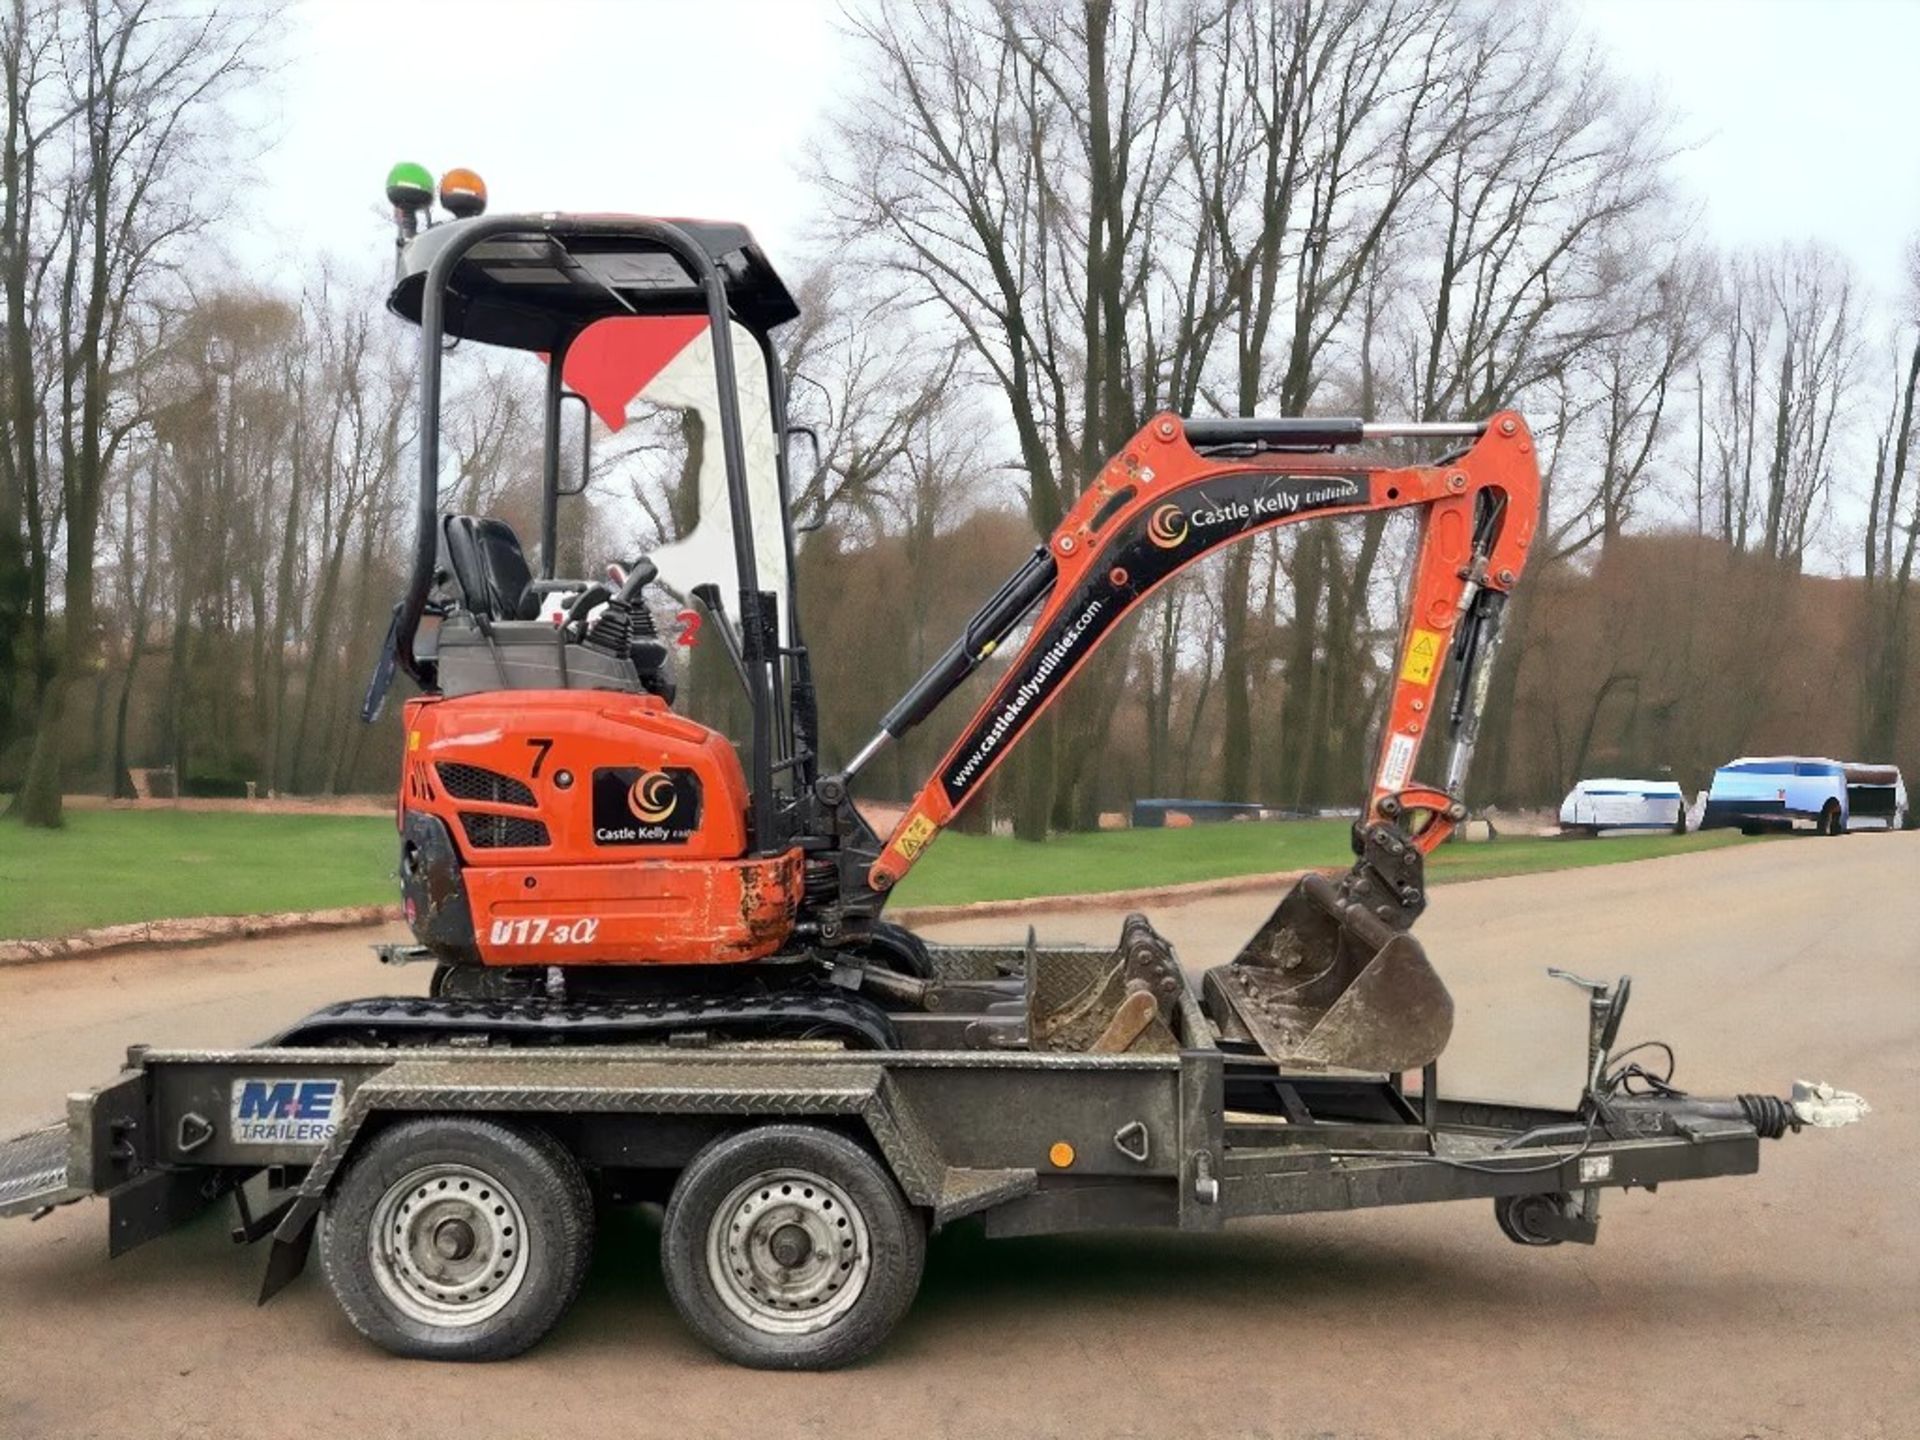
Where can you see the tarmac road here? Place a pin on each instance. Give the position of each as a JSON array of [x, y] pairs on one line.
[[1782, 1305]]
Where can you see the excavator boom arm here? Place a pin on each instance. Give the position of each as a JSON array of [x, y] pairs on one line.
[[1180, 490]]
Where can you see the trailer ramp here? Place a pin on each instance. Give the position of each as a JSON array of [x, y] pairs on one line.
[[33, 1171]]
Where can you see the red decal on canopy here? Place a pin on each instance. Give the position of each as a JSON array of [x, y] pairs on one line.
[[613, 360]]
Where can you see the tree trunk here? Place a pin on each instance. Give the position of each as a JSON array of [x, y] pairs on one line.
[[1303, 677], [1033, 806], [1236, 677]]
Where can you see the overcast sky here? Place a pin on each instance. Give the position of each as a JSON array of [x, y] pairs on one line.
[[1797, 117], [1800, 112], [664, 107]]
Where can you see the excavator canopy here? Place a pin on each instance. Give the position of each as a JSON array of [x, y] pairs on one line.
[[536, 290]]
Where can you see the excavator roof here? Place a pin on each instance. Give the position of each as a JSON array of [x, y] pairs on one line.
[[537, 290]]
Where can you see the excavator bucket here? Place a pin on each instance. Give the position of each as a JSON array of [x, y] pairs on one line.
[[1326, 983], [1125, 1006]]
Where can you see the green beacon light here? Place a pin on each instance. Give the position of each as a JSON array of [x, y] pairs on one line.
[[410, 192], [410, 187]]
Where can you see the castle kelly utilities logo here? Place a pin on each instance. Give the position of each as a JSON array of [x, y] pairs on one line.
[[1167, 526], [632, 806], [652, 797]]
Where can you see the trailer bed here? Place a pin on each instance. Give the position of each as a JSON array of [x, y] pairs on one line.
[[1150, 1139], [1028, 1141]]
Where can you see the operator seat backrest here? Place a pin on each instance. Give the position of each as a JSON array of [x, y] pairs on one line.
[[491, 568]]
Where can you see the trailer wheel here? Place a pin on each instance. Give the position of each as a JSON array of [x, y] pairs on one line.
[[1519, 1218], [1831, 821], [457, 1239], [789, 1247]]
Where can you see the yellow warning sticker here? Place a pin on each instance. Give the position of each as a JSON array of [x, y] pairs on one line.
[[413, 740], [914, 838], [1422, 656]]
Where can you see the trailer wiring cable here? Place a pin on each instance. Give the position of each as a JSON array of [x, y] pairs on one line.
[[1453, 1162], [1619, 1079]]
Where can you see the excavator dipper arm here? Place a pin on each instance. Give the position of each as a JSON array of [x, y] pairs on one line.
[[1181, 489]]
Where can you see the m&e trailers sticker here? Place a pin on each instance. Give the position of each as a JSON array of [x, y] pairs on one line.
[[285, 1112]]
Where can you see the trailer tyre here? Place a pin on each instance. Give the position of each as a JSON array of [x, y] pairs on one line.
[[789, 1247], [457, 1239]]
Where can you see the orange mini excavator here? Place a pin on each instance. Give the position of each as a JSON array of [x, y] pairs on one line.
[[582, 860]]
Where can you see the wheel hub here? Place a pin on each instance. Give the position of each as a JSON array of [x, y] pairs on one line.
[[788, 1252], [790, 1245], [453, 1239], [448, 1244]]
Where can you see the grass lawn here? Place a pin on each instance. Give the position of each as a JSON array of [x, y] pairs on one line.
[[108, 867], [959, 868]]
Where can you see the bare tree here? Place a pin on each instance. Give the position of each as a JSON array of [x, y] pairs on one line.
[[212, 401], [39, 113], [1815, 298], [1308, 128], [1788, 347], [1615, 396], [137, 572], [138, 106], [1889, 556], [1004, 168], [869, 386]]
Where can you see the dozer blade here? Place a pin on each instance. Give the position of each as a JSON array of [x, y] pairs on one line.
[[1326, 983]]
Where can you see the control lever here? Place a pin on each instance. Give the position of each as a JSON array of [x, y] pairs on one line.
[[612, 633], [583, 605], [640, 574], [709, 597]]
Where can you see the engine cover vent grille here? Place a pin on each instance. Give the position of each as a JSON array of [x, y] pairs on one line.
[[471, 782], [419, 783], [502, 832]]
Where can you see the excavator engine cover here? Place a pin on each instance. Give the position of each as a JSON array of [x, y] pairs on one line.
[[1333, 979], [583, 827]]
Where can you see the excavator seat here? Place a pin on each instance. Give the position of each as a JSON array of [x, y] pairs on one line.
[[491, 569], [498, 640]]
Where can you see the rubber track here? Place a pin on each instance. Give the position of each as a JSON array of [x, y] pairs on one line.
[[405, 1020]]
